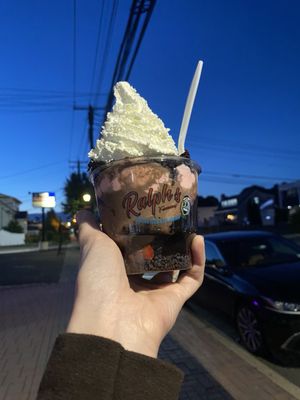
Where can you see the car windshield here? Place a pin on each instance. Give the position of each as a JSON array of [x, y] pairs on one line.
[[255, 251]]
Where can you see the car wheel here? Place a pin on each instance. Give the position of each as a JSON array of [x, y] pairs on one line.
[[249, 330]]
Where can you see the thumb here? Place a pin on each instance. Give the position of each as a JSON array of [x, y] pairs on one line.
[[190, 281]]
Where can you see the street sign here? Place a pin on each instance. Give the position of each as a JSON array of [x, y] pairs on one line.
[[43, 199]]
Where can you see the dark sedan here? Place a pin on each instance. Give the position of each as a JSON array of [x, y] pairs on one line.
[[254, 277]]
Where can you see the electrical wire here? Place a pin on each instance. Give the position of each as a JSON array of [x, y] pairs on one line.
[[136, 10], [99, 36], [83, 139], [107, 46], [143, 30], [74, 77], [241, 152], [25, 172], [74, 50], [247, 147], [237, 176]]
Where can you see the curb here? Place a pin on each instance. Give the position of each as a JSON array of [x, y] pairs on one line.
[[275, 377]]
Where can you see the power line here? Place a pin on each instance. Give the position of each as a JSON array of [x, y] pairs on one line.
[[74, 77], [74, 50], [77, 164], [10, 111], [83, 141], [4, 92], [71, 134], [91, 109], [237, 176], [247, 147], [24, 172], [138, 8], [238, 152], [143, 30], [100, 26], [107, 46]]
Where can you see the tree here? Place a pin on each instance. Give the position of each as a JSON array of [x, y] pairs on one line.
[[209, 201], [294, 221], [253, 213], [14, 227], [75, 187], [52, 221]]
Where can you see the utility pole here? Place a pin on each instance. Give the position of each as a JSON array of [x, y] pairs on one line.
[[77, 164], [91, 111]]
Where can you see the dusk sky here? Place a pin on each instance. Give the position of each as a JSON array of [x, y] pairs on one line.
[[246, 120]]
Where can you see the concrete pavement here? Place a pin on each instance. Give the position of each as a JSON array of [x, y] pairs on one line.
[[32, 316]]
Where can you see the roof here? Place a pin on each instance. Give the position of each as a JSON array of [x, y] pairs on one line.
[[5, 196], [236, 235], [247, 191]]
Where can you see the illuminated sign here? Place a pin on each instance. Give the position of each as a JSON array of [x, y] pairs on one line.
[[229, 202], [43, 199]]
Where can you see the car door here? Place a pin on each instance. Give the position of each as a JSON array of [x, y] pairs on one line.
[[217, 290]]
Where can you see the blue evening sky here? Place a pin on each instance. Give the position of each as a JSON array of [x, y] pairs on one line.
[[246, 121]]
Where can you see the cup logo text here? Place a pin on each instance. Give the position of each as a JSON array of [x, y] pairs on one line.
[[133, 204]]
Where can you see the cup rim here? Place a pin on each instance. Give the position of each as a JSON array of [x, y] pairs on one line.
[[142, 160]]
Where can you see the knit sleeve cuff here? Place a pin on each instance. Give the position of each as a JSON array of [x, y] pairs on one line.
[[88, 367]]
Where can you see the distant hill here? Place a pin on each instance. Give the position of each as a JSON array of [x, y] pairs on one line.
[[37, 217]]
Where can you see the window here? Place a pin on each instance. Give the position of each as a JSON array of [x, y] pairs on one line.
[[260, 250], [213, 257]]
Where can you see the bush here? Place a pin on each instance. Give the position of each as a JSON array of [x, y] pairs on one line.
[[31, 239], [14, 227]]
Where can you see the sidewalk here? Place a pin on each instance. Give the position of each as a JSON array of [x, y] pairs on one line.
[[33, 247], [32, 316]]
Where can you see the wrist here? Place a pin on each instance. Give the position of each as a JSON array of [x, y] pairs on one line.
[[83, 322]]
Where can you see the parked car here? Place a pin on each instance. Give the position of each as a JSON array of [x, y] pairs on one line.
[[254, 277]]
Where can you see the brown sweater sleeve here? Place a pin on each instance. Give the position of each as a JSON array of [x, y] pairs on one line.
[[86, 367]]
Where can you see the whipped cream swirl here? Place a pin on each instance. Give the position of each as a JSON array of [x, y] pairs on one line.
[[132, 129]]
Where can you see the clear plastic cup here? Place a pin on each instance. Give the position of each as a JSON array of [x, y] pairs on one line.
[[148, 206]]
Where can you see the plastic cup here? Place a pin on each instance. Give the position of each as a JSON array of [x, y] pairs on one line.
[[148, 206]]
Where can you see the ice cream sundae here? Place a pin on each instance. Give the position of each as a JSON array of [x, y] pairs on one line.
[[146, 193]]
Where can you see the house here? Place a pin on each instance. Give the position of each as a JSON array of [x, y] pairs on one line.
[[22, 218], [255, 205], [289, 195], [206, 211], [9, 206]]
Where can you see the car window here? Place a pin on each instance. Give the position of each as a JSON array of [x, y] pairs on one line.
[[255, 251], [213, 256]]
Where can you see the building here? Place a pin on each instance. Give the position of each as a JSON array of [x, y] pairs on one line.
[[207, 207], [289, 195], [22, 218], [254, 206], [9, 206]]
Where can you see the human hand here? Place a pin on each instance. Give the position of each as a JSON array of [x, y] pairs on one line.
[[130, 310]]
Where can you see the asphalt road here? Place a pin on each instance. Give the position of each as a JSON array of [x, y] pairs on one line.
[[31, 267], [222, 324]]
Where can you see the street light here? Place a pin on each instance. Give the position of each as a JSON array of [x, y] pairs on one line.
[[86, 197]]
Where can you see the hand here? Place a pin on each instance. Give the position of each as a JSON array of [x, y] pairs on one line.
[[130, 310]]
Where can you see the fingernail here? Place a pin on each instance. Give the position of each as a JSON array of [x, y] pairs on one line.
[[175, 275]]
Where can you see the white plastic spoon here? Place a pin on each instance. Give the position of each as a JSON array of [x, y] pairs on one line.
[[189, 107]]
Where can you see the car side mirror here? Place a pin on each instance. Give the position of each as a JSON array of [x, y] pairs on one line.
[[222, 269]]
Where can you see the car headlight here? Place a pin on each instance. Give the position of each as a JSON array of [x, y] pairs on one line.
[[282, 305]]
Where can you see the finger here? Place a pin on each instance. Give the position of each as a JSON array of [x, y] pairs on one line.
[[90, 236], [191, 280], [87, 225], [138, 283], [163, 277], [86, 217]]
